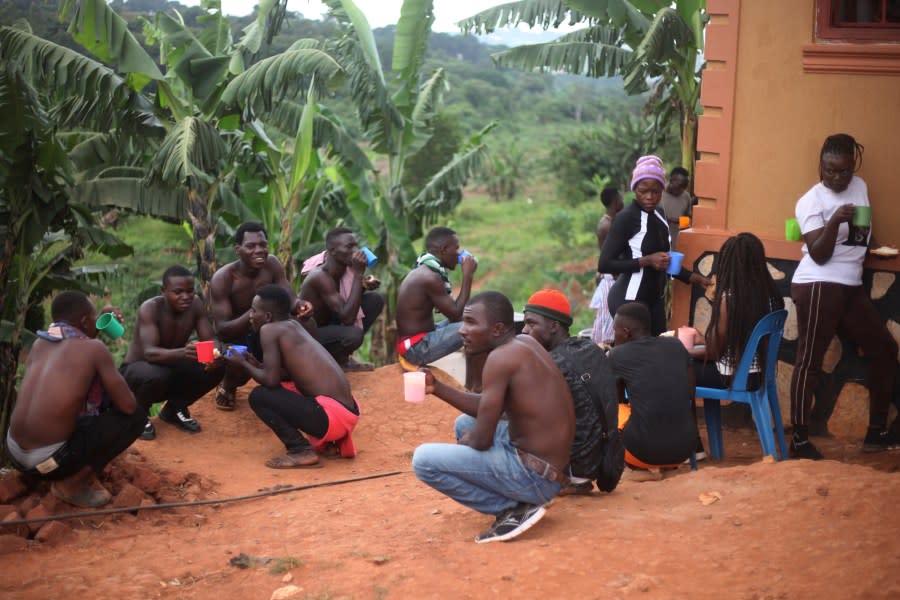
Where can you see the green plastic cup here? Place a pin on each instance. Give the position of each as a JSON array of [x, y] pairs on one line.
[[109, 324], [862, 216], [792, 230]]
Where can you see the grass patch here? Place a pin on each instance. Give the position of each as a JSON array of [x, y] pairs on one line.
[[520, 249]]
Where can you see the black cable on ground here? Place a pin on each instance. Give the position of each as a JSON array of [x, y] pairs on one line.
[[281, 489]]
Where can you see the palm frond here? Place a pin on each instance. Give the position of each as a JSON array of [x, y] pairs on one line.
[[105, 34], [284, 75]]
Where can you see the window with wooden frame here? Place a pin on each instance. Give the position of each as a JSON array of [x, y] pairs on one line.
[[858, 20]]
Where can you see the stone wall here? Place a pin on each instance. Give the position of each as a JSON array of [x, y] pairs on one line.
[[842, 400]]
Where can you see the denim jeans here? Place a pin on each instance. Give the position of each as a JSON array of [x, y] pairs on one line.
[[489, 481], [437, 344]]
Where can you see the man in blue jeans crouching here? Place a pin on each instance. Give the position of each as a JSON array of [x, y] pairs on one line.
[[513, 439]]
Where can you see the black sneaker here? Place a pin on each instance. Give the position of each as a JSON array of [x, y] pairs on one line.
[[512, 523], [880, 439], [149, 432], [182, 420], [805, 449]]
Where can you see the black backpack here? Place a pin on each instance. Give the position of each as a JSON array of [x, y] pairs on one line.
[[597, 451]]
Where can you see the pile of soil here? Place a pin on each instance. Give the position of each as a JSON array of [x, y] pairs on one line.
[[739, 528]]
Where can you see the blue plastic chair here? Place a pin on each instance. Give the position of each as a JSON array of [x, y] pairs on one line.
[[763, 401]]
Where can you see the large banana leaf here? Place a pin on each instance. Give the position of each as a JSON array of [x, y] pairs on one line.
[[264, 84], [328, 133], [303, 142], [105, 34], [668, 40], [438, 197], [132, 193], [410, 46], [547, 14], [346, 10], [192, 154], [54, 67], [594, 51], [20, 109]]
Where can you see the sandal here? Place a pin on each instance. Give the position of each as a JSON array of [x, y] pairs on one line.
[[225, 400], [301, 460]]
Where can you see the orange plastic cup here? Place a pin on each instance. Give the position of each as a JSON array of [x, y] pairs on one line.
[[684, 222], [205, 351]]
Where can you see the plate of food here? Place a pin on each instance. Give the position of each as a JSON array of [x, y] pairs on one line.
[[886, 251]]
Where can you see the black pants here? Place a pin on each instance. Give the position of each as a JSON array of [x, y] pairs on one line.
[[95, 442], [341, 340], [286, 412], [180, 383], [824, 309]]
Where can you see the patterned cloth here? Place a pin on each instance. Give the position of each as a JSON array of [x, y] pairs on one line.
[[96, 399], [432, 262], [602, 331]]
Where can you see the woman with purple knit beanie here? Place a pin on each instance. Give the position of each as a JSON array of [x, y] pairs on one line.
[[637, 248]]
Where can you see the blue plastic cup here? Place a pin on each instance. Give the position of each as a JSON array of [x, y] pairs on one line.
[[675, 259], [235, 349], [462, 255], [371, 259]]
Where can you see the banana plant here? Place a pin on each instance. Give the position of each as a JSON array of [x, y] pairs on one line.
[[650, 43], [43, 232], [395, 110]]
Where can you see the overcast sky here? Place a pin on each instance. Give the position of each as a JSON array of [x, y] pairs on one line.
[[378, 12]]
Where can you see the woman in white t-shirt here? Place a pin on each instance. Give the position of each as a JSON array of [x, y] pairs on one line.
[[829, 296]]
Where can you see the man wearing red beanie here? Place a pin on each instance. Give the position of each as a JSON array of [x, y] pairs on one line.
[[586, 369]]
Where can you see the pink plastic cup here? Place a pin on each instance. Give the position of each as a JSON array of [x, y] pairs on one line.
[[414, 387], [686, 336], [205, 351]]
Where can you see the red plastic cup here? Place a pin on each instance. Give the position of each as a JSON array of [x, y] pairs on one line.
[[205, 351]]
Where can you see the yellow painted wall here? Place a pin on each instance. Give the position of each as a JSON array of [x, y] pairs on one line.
[[782, 115]]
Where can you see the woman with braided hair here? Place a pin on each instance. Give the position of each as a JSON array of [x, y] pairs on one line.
[[745, 293], [828, 293]]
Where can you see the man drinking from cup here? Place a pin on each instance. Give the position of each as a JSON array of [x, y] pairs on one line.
[[162, 364], [345, 303], [74, 412]]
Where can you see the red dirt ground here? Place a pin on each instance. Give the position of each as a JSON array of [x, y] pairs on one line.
[[794, 529]]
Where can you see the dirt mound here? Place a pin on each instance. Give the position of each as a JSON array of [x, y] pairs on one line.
[[740, 528]]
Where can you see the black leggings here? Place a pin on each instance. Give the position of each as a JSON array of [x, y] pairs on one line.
[[285, 412]]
